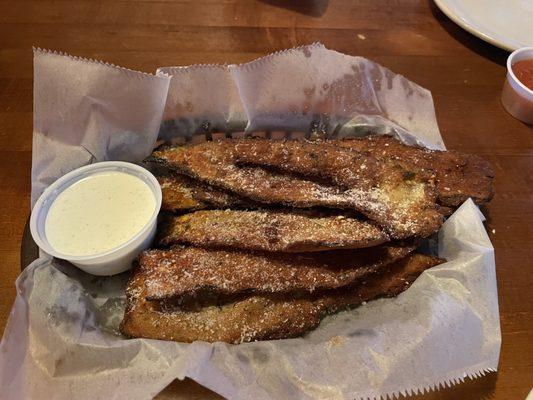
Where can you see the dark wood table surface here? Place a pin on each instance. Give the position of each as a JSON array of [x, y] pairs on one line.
[[410, 37]]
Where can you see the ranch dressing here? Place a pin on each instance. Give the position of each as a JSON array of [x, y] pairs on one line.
[[99, 213]]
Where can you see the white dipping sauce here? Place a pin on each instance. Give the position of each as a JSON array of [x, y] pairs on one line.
[[99, 213]]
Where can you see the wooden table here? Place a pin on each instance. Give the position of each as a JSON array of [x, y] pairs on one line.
[[410, 37]]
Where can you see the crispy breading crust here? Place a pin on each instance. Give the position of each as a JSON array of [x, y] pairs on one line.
[[228, 290], [186, 271], [181, 193], [215, 166], [269, 230], [259, 317], [178, 194], [399, 201], [459, 176]]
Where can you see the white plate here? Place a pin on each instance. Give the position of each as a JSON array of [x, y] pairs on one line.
[[504, 23]]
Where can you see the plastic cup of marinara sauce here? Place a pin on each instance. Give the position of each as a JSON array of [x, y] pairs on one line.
[[517, 95]]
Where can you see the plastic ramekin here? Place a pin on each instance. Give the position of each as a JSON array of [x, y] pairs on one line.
[[115, 260], [517, 98]]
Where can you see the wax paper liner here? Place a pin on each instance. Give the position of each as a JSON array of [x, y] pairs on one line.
[[88, 111], [61, 340], [307, 89]]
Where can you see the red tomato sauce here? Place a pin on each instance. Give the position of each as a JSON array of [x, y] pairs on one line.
[[524, 72]]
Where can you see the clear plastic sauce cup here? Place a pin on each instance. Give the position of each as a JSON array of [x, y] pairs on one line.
[[113, 260]]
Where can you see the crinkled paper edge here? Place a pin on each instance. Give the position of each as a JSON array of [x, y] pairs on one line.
[[245, 65], [450, 380], [128, 71]]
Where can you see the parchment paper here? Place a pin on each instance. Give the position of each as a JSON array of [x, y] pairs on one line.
[[61, 341]]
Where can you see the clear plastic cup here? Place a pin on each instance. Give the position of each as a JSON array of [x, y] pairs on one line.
[[517, 98], [115, 260]]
